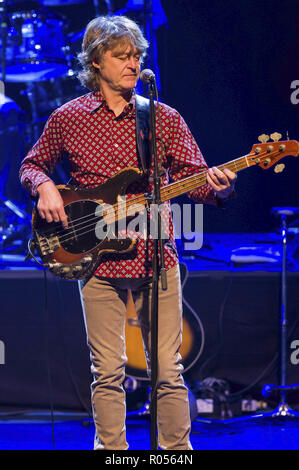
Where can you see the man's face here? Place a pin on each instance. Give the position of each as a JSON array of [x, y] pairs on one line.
[[119, 69]]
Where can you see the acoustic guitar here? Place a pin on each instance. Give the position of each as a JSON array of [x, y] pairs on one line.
[[193, 336]]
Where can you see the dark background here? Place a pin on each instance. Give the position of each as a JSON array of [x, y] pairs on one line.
[[230, 65]]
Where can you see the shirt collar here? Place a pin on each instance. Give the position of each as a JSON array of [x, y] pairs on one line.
[[97, 101]]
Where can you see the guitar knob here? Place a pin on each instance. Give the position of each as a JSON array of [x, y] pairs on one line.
[[276, 136], [263, 138]]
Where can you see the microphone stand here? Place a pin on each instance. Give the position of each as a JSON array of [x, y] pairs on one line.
[[158, 269]]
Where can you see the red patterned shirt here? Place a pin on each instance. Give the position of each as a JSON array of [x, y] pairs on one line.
[[98, 145]]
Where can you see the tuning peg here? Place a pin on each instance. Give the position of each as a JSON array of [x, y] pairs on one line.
[[263, 138], [276, 136]]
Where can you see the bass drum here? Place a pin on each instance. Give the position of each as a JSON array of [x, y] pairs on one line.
[[193, 338]]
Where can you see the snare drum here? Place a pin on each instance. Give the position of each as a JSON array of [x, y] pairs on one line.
[[36, 48]]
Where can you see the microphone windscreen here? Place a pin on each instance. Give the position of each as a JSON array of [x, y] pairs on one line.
[[147, 76]]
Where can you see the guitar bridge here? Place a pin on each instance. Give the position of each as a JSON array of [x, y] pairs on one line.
[[47, 245]]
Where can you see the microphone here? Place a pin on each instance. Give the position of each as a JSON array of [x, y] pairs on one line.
[[147, 76]]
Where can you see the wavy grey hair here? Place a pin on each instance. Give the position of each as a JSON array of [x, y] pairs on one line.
[[106, 33]]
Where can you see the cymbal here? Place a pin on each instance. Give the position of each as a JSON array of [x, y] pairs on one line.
[[16, 75], [56, 3]]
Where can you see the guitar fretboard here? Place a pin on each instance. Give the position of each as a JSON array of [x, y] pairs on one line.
[[266, 154], [200, 179]]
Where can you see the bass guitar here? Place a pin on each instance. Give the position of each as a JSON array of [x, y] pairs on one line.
[[75, 252]]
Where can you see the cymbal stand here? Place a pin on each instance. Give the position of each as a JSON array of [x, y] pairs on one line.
[[283, 409], [31, 94], [3, 28]]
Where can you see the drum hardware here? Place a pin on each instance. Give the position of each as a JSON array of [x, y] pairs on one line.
[[3, 27], [31, 93], [283, 409], [15, 209], [35, 47], [57, 3], [14, 226], [43, 97], [12, 239], [33, 52]]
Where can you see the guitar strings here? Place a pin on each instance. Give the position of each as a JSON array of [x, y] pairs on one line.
[[189, 184], [139, 199], [194, 182], [193, 179]]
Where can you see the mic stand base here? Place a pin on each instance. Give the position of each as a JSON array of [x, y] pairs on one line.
[[281, 411], [284, 410]]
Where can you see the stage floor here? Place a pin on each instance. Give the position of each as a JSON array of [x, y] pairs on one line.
[[75, 432]]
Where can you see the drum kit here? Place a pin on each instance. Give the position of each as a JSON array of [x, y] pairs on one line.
[[36, 52], [38, 65], [38, 69]]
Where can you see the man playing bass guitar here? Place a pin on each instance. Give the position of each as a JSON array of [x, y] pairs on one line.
[[97, 133]]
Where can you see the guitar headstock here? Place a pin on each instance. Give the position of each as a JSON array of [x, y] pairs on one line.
[[266, 154]]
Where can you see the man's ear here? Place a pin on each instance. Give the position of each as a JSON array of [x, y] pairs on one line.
[[96, 65]]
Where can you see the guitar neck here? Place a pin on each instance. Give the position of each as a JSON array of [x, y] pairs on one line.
[[200, 179], [265, 155]]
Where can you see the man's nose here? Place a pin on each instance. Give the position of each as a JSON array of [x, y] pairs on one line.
[[133, 63]]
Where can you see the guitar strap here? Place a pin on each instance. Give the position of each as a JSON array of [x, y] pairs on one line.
[[142, 106]]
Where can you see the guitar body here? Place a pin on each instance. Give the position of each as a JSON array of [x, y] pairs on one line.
[[75, 252]]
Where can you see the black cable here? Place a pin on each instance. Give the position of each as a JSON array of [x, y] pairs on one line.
[[50, 388], [66, 355], [267, 368], [220, 321]]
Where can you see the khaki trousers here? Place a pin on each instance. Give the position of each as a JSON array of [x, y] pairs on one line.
[[104, 306]]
